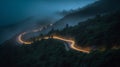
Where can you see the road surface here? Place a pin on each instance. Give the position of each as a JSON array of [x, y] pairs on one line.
[[70, 42]]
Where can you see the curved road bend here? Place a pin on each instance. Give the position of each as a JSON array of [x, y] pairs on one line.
[[70, 42]]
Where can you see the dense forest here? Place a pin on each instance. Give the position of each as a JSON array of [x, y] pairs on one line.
[[51, 53], [102, 30], [98, 31]]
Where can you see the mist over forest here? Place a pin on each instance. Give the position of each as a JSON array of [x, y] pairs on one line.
[[59, 33], [19, 15]]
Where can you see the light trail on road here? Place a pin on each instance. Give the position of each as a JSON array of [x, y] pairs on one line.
[[70, 42], [20, 40]]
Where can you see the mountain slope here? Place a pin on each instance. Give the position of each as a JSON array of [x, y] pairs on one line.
[[99, 7], [99, 31]]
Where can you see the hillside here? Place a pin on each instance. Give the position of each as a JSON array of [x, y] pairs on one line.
[[95, 27], [98, 32], [99, 7], [51, 53]]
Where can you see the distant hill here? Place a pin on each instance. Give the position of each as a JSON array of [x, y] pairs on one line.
[[99, 7], [101, 30], [8, 31], [98, 31]]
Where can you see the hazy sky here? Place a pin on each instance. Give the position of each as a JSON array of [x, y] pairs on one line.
[[12, 11]]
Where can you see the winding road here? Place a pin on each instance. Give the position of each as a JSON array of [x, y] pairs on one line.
[[70, 42]]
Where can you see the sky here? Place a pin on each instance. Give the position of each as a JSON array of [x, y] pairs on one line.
[[13, 11]]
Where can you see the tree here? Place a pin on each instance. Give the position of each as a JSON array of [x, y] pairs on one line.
[[50, 34], [67, 26]]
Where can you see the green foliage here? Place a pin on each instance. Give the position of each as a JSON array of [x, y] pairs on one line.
[[51, 53], [102, 30], [99, 31]]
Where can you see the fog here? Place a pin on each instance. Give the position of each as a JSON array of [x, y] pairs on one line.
[[13, 13]]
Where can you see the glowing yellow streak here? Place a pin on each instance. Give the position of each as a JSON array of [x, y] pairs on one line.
[[22, 41], [72, 42], [46, 38]]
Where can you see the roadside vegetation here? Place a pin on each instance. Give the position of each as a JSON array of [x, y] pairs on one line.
[[99, 31]]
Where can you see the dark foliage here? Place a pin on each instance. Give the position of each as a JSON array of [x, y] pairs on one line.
[[99, 31]]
